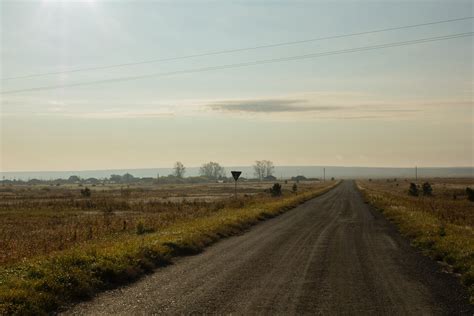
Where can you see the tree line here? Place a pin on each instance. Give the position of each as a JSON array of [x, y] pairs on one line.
[[263, 170]]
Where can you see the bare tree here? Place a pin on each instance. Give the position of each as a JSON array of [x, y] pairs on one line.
[[212, 170], [259, 169], [269, 168], [263, 169], [179, 169]]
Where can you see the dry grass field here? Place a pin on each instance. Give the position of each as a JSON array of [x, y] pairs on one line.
[[58, 246], [37, 220], [441, 224]]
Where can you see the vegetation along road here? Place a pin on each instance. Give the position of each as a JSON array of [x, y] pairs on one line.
[[331, 255]]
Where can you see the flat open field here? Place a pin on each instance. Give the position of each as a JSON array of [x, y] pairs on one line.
[[39, 219], [441, 224], [59, 246]]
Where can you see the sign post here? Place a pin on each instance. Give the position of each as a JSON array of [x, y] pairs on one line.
[[236, 175]]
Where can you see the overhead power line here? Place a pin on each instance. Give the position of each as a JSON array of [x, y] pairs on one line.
[[221, 52], [246, 64]]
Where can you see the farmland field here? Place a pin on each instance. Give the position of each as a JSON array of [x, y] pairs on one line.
[[440, 223], [59, 245], [37, 220]]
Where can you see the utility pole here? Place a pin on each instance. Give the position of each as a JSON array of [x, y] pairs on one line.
[[416, 173], [324, 174]]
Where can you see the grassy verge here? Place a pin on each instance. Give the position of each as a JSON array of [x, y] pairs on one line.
[[445, 239], [44, 284]]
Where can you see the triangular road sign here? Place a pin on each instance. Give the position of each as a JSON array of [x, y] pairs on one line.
[[236, 174]]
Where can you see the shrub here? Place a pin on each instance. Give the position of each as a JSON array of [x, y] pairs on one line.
[[140, 228], [427, 189], [442, 231], [470, 194], [294, 188], [86, 192], [276, 190], [413, 190]]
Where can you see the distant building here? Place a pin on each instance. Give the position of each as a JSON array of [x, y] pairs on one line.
[[270, 178], [299, 178]]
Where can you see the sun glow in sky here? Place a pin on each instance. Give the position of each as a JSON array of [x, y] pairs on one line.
[[393, 107]]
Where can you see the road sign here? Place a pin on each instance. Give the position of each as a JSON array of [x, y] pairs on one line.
[[236, 174]]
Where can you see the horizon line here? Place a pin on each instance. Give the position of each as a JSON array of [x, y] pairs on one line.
[[246, 166]]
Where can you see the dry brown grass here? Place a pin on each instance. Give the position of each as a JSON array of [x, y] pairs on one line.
[[449, 202], [37, 220]]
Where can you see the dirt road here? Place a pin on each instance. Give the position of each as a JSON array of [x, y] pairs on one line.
[[331, 255]]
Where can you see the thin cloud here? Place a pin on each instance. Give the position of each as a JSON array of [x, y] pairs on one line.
[[321, 106], [95, 115], [123, 115], [268, 106]]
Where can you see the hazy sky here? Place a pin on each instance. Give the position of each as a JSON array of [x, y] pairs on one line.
[[397, 107]]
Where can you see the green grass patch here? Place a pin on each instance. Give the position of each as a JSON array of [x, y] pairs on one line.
[[42, 285]]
